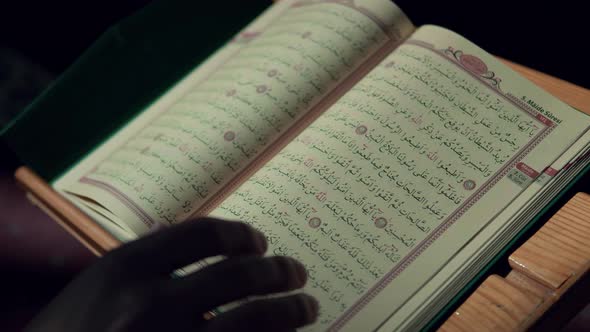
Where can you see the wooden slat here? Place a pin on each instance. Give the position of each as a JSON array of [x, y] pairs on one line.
[[497, 305], [528, 285], [560, 250], [567, 92], [544, 268]]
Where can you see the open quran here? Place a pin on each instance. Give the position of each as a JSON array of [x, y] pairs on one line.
[[394, 161]]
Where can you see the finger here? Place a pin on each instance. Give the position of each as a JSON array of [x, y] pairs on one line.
[[277, 314], [235, 279], [181, 245]]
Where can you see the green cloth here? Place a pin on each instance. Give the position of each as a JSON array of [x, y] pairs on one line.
[[125, 70]]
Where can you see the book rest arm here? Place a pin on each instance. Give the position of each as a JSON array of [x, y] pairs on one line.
[[66, 214]]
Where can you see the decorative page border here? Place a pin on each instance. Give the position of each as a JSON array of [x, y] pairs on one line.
[[478, 70], [244, 37]]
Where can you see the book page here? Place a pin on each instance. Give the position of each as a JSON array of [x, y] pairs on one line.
[[293, 58], [489, 239], [401, 173]]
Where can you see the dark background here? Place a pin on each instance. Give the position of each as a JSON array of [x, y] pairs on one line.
[[549, 36], [40, 39]]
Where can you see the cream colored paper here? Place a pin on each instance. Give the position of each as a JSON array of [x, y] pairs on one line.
[[165, 171], [490, 236], [383, 189]]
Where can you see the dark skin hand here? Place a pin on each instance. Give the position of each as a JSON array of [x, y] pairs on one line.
[[131, 289]]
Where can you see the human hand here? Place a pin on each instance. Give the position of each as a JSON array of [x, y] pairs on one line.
[[131, 288]]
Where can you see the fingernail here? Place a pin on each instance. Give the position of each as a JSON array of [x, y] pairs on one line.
[[311, 308], [261, 242]]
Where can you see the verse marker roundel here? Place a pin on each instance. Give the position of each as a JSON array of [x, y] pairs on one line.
[[314, 222], [361, 130], [469, 185], [229, 136], [380, 222]]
